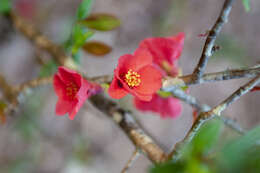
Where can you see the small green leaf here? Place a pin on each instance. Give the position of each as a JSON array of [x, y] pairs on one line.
[[164, 94], [84, 9], [246, 4], [101, 22], [97, 48], [79, 37], [5, 6]]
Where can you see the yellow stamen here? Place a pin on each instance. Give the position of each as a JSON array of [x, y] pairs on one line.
[[132, 78], [71, 90]]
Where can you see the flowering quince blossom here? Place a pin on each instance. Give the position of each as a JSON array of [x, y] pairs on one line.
[[169, 107], [72, 91], [135, 74], [166, 52]]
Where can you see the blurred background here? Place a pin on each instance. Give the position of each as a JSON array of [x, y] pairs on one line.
[[35, 140]]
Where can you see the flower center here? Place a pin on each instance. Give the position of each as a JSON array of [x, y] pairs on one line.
[[132, 78], [71, 90]]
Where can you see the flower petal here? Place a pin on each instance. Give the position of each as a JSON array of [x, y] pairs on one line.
[[76, 108], [67, 76], [145, 98], [151, 80], [161, 48], [167, 107], [141, 58], [116, 89], [63, 106], [59, 86]]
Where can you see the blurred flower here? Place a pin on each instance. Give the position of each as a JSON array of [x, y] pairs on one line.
[[135, 74], [166, 51], [169, 107], [72, 90], [257, 88], [26, 8]]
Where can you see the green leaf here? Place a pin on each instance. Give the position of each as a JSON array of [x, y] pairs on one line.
[[246, 4], [84, 9], [168, 167], [101, 22], [79, 37], [235, 152], [48, 69], [5, 6], [164, 94]]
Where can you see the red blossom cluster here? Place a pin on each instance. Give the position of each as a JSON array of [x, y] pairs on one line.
[[165, 52], [72, 90], [139, 74]]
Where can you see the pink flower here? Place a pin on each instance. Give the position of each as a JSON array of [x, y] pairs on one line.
[[135, 74], [166, 51], [72, 91], [169, 107], [26, 8]]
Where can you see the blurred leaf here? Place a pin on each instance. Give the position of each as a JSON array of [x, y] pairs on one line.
[[101, 22], [97, 48], [246, 4], [169, 167], [234, 152], [84, 9], [5, 6], [48, 69], [164, 94], [79, 37]]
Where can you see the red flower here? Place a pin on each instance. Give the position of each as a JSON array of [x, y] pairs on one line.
[[169, 107], [136, 75], [72, 90], [256, 88], [166, 51], [26, 8]]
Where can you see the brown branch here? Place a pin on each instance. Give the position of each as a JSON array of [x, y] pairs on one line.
[[38, 39], [123, 118], [205, 116], [34, 83], [235, 96], [129, 125], [224, 75], [210, 41], [130, 162]]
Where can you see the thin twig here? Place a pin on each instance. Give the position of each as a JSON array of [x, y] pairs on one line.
[[130, 162], [34, 83], [224, 75], [236, 95], [210, 41], [205, 116], [38, 39]]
